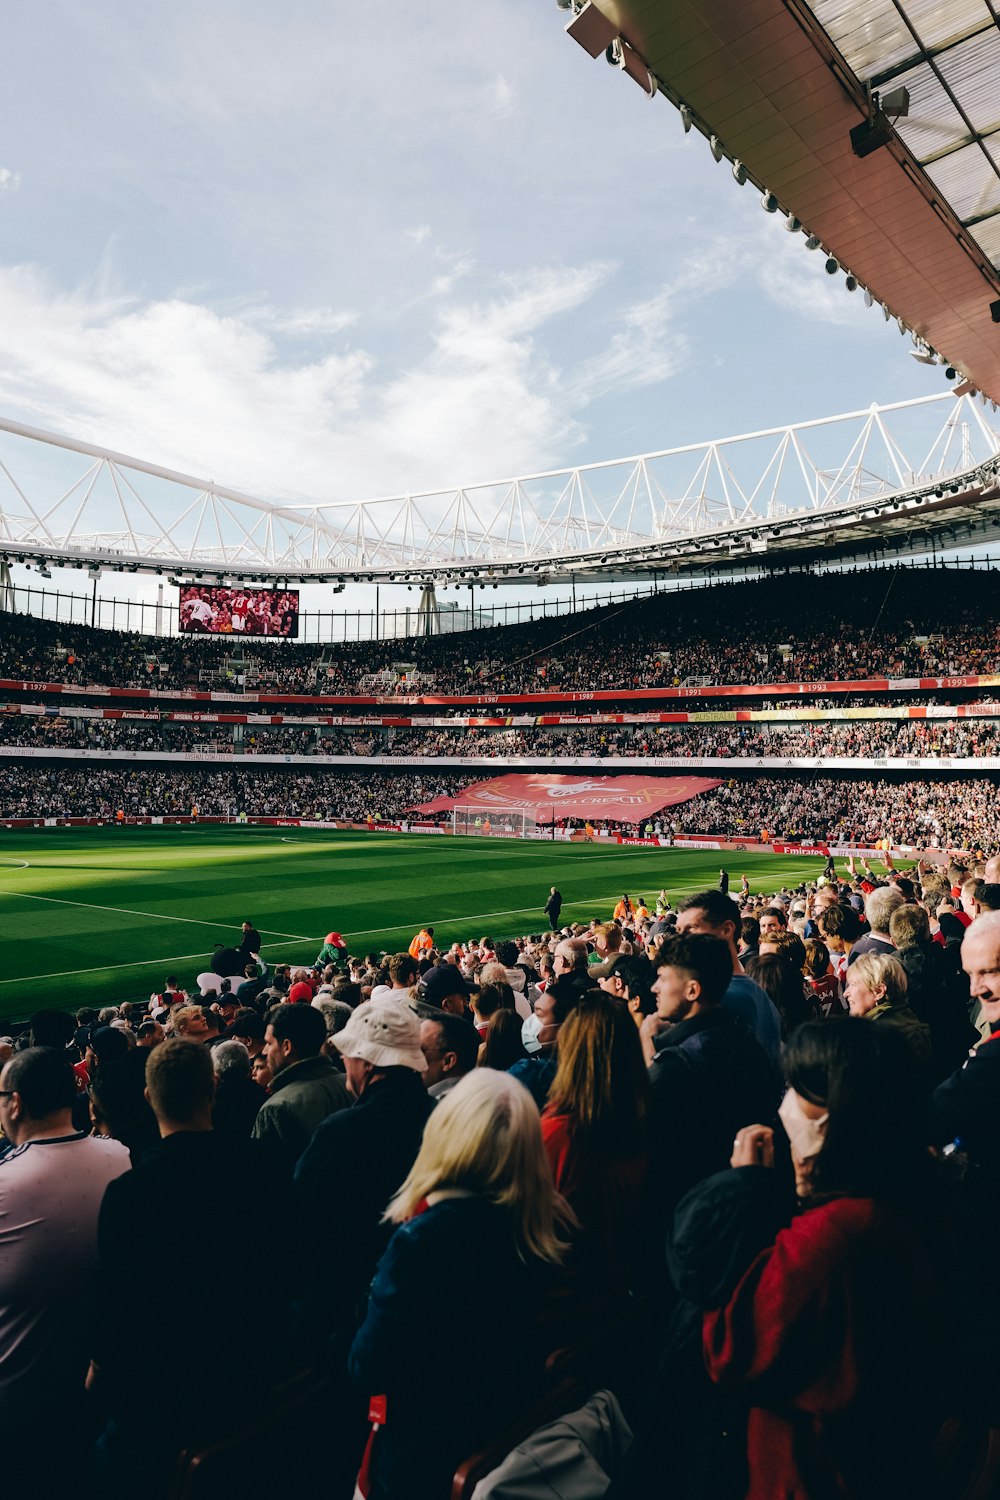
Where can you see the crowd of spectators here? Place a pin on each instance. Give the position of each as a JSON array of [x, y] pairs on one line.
[[792, 628], [860, 739], [960, 814], [731, 1155], [71, 791]]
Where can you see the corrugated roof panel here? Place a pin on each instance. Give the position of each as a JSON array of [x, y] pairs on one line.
[[940, 23], [972, 72], [987, 234], [933, 124], [872, 35], [968, 181], [875, 38]]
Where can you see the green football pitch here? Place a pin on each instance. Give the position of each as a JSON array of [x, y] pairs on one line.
[[95, 916]]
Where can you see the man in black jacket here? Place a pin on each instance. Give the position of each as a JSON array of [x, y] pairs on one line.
[[966, 1106], [356, 1161], [710, 1075], [193, 1205], [552, 908]]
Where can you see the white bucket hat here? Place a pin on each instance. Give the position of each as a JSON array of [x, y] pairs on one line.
[[385, 1033]]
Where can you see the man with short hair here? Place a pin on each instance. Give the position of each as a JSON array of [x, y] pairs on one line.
[[52, 1181], [607, 946], [879, 907], [250, 941], [306, 1088], [965, 1106], [710, 912], [772, 921], [552, 908], [402, 978], [188, 1023], [150, 1034], [570, 957], [451, 1050], [256, 979], [710, 1075], [194, 1204]]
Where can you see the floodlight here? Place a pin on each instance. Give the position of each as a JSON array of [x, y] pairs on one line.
[[769, 203], [851, 282], [812, 242], [832, 265], [792, 224], [718, 149], [739, 172], [687, 119]]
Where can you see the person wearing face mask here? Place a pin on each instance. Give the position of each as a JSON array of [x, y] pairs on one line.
[[831, 1328], [358, 1158], [540, 1033]]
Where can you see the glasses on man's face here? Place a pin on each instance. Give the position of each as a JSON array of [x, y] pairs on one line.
[[7, 1093]]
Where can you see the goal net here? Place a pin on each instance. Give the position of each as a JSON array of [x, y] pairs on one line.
[[488, 822]]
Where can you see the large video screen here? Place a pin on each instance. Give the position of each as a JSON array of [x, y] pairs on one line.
[[236, 611]]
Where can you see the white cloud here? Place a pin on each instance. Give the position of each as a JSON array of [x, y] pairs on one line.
[[177, 382], [9, 181]]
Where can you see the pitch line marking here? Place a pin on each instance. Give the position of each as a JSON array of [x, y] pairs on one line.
[[14, 864], [154, 916]]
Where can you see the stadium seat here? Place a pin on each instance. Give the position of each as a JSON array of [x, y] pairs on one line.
[[562, 1398]]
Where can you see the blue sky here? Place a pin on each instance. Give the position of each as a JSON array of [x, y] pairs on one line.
[[326, 251]]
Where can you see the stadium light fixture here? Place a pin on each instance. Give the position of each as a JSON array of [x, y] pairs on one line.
[[717, 148], [923, 355], [739, 172], [769, 203], [831, 265], [812, 242], [851, 282], [687, 119], [950, 373], [792, 224]]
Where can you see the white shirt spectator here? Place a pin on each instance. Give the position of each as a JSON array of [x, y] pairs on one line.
[[50, 1198]]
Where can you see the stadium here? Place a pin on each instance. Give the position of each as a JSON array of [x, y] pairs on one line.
[[676, 827]]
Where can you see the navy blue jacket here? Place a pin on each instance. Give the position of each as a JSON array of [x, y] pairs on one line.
[[709, 1078], [343, 1182], [449, 1384]]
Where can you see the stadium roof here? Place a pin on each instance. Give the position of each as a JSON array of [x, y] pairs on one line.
[[911, 476], [909, 206]]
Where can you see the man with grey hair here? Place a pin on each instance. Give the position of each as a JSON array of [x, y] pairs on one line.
[[879, 907], [570, 955], [966, 1106]]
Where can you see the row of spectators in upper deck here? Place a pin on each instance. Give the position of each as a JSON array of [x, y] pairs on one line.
[[903, 623], [894, 738]]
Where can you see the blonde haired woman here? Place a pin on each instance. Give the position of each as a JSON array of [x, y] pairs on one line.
[[876, 989], [452, 1338]]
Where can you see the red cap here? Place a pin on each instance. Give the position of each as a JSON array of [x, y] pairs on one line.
[[335, 939]]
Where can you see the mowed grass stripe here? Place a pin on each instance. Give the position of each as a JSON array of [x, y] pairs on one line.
[[377, 889]]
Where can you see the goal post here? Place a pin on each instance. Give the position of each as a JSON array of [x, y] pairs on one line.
[[492, 822]]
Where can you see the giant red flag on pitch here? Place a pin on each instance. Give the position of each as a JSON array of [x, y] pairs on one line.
[[623, 799]]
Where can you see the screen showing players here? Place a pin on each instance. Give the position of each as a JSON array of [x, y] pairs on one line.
[[206, 610]]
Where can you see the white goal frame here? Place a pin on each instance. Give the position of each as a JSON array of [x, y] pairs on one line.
[[493, 822]]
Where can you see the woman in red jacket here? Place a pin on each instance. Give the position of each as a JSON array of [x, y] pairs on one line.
[[594, 1129], [836, 1333]]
